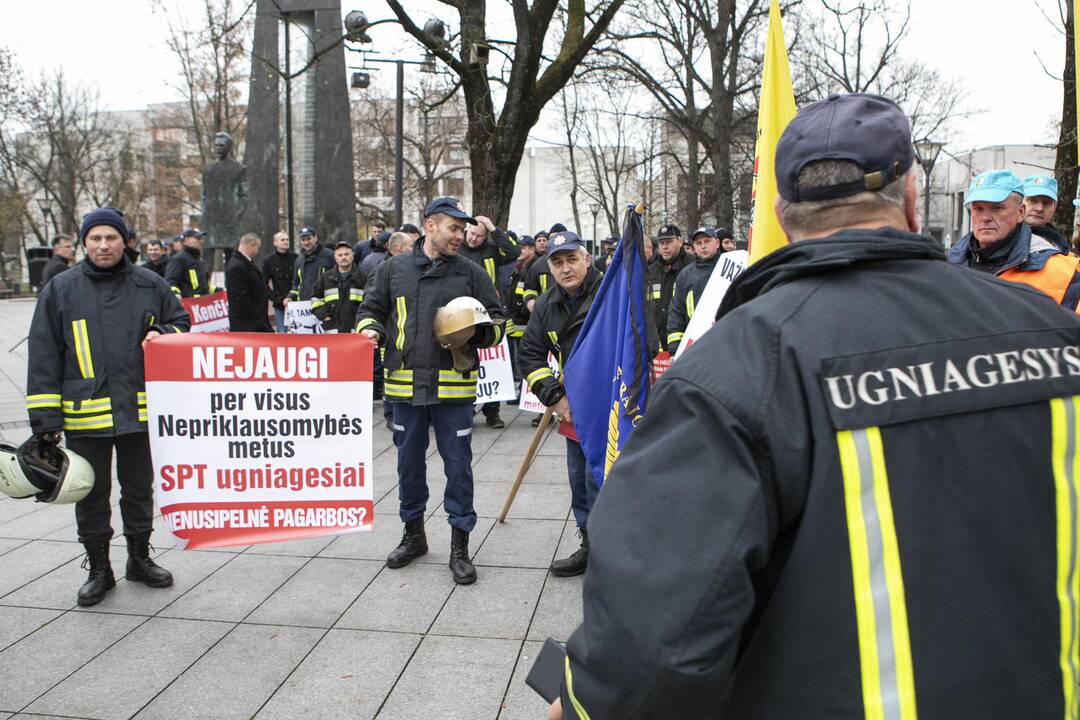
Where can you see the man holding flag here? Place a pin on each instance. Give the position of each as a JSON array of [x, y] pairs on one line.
[[556, 319]]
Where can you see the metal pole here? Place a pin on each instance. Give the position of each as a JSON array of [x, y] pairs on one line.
[[926, 205], [593, 250], [399, 142], [290, 227]]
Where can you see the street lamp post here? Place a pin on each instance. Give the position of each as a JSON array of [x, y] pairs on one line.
[[927, 151], [45, 205], [594, 208]]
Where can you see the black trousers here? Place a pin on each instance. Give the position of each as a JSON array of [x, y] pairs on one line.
[[135, 471]]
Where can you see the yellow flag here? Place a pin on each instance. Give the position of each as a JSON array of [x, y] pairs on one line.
[[774, 113]]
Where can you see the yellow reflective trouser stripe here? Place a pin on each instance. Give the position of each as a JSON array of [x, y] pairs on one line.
[[689, 304], [570, 692], [42, 400], [489, 265], [193, 278], [888, 684], [82, 348], [95, 422], [540, 374], [402, 314], [1064, 416]]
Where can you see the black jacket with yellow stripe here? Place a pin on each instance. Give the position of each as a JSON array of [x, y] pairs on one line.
[[660, 289], [553, 328], [497, 250], [868, 507], [689, 285], [187, 275], [85, 371], [538, 279], [517, 312], [400, 303], [337, 297], [308, 268]]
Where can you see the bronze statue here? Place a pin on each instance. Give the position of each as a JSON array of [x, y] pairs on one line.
[[224, 195]]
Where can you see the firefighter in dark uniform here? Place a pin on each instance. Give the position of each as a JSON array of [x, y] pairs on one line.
[[517, 315], [400, 304], [691, 281], [663, 270], [85, 378], [556, 319], [186, 273], [884, 517], [312, 262], [338, 293], [490, 248], [538, 280]]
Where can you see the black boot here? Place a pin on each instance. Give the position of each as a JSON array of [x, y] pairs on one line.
[[460, 564], [492, 420], [577, 562], [101, 579], [140, 568], [413, 545]]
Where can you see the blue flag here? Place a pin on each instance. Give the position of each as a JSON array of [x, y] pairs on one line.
[[607, 376]]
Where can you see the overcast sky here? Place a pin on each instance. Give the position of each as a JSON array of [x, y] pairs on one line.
[[990, 45]]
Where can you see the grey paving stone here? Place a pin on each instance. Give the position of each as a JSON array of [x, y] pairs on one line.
[[32, 560], [371, 545], [40, 523], [129, 674], [570, 540], [308, 547], [9, 544], [480, 669], [55, 589], [237, 676], [500, 604], [318, 594], [521, 543], [438, 537], [504, 467], [189, 568], [16, 623], [536, 501], [39, 661], [522, 702], [236, 589], [346, 676], [404, 600], [11, 509], [559, 612]]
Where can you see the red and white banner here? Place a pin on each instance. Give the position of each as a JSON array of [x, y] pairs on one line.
[[209, 313], [660, 364], [495, 376], [728, 267], [260, 438]]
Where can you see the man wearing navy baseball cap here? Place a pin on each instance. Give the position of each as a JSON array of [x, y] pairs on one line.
[[186, 273], [422, 383], [691, 281], [1001, 243], [312, 262], [875, 514]]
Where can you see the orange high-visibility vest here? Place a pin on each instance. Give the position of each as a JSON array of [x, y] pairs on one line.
[[1051, 279]]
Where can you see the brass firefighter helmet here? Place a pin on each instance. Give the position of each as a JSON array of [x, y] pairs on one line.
[[455, 324]]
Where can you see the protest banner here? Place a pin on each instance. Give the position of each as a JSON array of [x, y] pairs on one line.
[[260, 438], [727, 269], [300, 321], [208, 313], [660, 364], [527, 401], [495, 376]]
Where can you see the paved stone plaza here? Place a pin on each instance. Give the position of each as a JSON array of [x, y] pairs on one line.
[[318, 628]]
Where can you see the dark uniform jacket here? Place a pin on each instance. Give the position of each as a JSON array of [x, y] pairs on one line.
[[400, 304], [875, 514], [337, 297], [1051, 235], [186, 274], [53, 267], [553, 328], [538, 279], [159, 266], [85, 373], [517, 312], [308, 268], [278, 269], [498, 249], [689, 285], [660, 288], [248, 295]]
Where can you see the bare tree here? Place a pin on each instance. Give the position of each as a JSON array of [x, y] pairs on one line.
[[1065, 165], [528, 80]]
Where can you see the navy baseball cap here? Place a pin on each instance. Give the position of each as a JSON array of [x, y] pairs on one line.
[[557, 228], [526, 240], [668, 231], [449, 206], [869, 130], [342, 244], [565, 240], [308, 231], [540, 233], [194, 232], [711, 232], [610, 240]]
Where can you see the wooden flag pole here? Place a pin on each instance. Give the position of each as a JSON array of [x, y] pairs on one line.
[[526, 463]]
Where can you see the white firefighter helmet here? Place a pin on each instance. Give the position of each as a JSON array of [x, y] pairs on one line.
[[455, 324], [47, 472]]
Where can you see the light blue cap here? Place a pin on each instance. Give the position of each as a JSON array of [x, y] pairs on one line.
[[993, 186], [1040, 185], [1076, 202]]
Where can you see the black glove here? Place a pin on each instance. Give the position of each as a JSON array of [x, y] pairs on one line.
[[53, 437]]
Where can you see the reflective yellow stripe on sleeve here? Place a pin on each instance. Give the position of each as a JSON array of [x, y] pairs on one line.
[[82, 348], [888, 684], [402, 315], [674, 338], [356, 295], [537, 375], [1064, 417], [364, 323], [570, 692], [331, 295], [489, 265]]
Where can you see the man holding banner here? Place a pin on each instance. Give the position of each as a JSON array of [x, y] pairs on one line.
[[691, 282], [86, 378], [557, 317], [426, 388]]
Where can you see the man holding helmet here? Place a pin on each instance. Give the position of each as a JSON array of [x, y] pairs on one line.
[[85, 378], [430, 376]]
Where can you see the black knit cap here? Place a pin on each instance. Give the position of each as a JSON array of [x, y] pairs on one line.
[[103, 216]]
